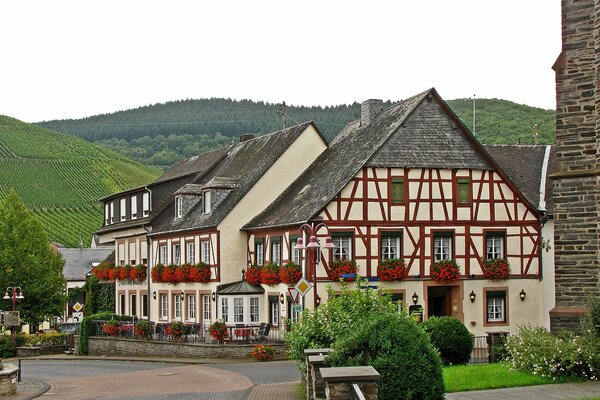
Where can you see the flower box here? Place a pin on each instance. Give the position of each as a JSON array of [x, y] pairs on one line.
[[445, 271], [173, 274], [392, 269], [496, 269], [253, 275], [269, 274], [290, 273], [111, 328], [341, 267]]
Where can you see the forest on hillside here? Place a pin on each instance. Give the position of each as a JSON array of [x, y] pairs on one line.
[[162, 134]]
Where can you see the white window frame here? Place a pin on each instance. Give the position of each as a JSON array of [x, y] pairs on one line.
[[238, 310], [494, 246], [343, 247], [146, 204], [112, 212], [191, 307], [132, 253], [259, 253], [176, 256], [274, 309], [144, 252], [133, 304], [206, 202], [496, 309], [122, 304], [177, 307], [144, 305], [390, 247], [442, 248], [164, 306], [121, 248], [178, 206], [254, 309], [190, 252], [106, 214], [205, 245], [295, 256], [123, 209], [225, 309], [206, 314], [163, 255], [276, 251], [133, 207]]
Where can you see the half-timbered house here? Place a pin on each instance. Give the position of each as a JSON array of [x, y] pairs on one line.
[[410, 182]]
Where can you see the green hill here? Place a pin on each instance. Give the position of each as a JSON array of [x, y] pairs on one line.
[[61, 177], [163, 134]]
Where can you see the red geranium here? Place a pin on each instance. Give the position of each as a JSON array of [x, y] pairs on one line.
[[113, 274], [341, 267], [290, 273], [218, 331], [111, 328], [392, 269], [122, 273], [253, 275], [166, 275], [140, 272], [269, 274], [199, 273], [156, 273], [496, 269], [180, 274], [263, 352], [445, 271]]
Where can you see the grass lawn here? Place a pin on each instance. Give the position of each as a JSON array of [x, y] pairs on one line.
[[460, 378]]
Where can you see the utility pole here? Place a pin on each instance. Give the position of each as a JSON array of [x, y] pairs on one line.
[[282, 113]]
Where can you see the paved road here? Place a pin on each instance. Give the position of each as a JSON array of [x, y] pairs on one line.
[[126, 380]]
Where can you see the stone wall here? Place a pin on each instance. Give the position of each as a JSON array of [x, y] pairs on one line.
[[8, 380], [576, 181], [145, 348]]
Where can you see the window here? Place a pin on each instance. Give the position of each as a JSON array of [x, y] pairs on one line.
[[122, 210], [442, 246], [205, 251], [398, 300], [178, 206], [106, 214], [122, 304], [390, 245], [164, 306], [494, 245], [254, 311], [463, 191], [274, 308], [112, 212], [238, 309], [121, 253], [259, 252], [205, 202], [176, 254], [162, 254], [295, 253], [276, 250], [132, 257], [225, 309], [206, 308], [133, 304], [191, 307], [343, 246], [190, 255], [177, 306], [146, 204], [133, 207], [144, 252], [144, 306], [496, 306], [398, 189]]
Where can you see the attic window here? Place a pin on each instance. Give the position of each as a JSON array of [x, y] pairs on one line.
[[463, 191], [206, 202], [178, 206]]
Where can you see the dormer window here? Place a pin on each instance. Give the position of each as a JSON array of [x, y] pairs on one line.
[[178, 206], [133, 207], [122, 210], [206, 202], [112, 212], [146, 204], [106, 214]]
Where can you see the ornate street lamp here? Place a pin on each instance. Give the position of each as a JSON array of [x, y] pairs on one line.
[[314, 246], [16, 294]]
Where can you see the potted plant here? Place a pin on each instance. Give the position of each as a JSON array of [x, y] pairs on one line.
[[218, 331], [123, 272], [111, 328], [290, 273], [263, 352], [445, 271], [139, 272], [156, 273], [253, 275], [143, 328], [341, 267], [199, 273], [177, 329], [496, 269], [392, 269], [180, 273], [269, 274]]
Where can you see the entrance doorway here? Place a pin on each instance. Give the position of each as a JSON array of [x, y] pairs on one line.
[[438, 300]]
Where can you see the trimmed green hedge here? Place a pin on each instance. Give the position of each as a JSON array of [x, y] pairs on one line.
[[86, 324], [451, 338]]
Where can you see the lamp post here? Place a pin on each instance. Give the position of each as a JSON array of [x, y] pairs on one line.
[[315, 246], [16, 294]]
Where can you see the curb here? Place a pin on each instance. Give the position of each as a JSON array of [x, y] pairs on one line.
[[38, 393]]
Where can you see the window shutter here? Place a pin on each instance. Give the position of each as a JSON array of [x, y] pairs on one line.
[[398, 190]]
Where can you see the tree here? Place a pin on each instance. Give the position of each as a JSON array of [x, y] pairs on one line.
[[27, 261]]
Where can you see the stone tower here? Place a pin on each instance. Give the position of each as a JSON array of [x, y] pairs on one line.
[[577, 177]]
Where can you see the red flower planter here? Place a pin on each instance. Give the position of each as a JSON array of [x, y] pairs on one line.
[[496, 269], [392, 270], [341, 267], [253, 275], [290, 273], [269, 274], [445, 271]]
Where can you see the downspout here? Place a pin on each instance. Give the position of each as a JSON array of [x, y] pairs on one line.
[[149, 250], [542, 205]]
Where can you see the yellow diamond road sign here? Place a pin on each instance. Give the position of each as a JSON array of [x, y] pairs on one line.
[[303, 286], [77, 307]]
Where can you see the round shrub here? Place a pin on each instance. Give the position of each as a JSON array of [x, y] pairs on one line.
[[409, 365], [451, 338]]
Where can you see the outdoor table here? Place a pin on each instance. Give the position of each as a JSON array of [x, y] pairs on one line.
[[243, 333]]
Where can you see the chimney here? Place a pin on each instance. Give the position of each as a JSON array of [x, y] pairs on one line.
[[369, 109], [246, 137]]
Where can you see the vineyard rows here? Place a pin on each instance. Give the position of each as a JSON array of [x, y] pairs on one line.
[[70, 225]]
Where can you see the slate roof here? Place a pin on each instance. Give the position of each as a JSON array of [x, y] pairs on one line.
[[244, 164], [523, 164], [239, 287], [420, 131], [78, 261], [194, 165]]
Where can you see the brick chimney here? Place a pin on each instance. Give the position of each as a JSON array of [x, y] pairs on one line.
[[369, 109]]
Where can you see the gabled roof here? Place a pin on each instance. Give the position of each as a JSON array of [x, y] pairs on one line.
[[236, 174], [78, 261], [194, 165], [417, 132], [239, 287], [528, 168]]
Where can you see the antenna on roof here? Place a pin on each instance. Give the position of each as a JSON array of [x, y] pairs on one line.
[[282, 114]]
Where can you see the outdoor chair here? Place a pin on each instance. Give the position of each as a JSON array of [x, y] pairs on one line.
[[262, 333]]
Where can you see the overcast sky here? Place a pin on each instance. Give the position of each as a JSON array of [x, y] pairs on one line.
[[71, 59]]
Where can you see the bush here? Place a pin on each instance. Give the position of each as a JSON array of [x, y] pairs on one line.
[[409, 365], [263, 352], [535, 350], [86, 324], [47, 339], [591, 322], [6, 347], [451, 338], [143, 328]]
